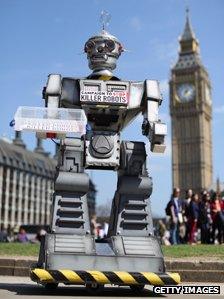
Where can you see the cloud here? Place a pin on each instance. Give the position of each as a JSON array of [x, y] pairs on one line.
[[219, 110], [164, 51], [136, 23]]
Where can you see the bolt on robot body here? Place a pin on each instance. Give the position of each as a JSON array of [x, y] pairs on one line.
[[132, 255]]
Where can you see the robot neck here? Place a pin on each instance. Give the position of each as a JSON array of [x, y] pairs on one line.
[[102, 72]]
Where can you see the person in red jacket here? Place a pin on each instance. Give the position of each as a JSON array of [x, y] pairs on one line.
[[217, 218]]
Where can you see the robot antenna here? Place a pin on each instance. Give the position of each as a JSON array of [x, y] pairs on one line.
[[105, 18]]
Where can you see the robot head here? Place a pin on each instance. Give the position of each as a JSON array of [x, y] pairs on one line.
[[103, 50]]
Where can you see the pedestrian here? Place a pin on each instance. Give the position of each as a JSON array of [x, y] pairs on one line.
[[193, 218], [163, 233], [205, 220], [40, 235], [22, 236], [217, 218], [94, 225], [4, 236], [185, 211], [175, 216]]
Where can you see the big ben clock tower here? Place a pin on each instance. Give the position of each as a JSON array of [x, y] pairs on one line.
[[191, 115]]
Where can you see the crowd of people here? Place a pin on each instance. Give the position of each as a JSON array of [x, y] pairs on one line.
[[198, 218], [99, 228], [19, 234]]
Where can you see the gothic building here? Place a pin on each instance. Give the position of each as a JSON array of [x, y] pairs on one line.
[[191, 116], [26, 184]]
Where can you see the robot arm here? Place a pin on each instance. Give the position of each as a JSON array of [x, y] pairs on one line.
[[52, 91], [51, 95], [60, 91], [152, 127]]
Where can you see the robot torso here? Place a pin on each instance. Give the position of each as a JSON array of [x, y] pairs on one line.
[[108, 105]]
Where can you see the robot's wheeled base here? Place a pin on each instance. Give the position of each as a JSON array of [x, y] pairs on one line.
[[98, 277], [102, 266]]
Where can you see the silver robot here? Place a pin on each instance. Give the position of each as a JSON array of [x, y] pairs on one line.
[[131, 254]]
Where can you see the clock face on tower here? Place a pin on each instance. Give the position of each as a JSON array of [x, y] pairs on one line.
[[186, 92]]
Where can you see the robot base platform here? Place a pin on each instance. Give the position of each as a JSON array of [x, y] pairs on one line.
[[101, 270], [67, 276]]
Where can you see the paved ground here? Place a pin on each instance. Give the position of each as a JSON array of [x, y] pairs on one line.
[[21, 287]]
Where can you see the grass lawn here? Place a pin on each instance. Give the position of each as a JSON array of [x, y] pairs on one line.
[[176, 251], [179, 251], [19, 249]]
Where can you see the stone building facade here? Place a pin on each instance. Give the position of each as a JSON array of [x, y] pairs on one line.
[[26, 184], [191, 117]]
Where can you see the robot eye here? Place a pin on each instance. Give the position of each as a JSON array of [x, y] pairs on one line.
[[89, 46], [110, 45], [120, 48], [100, 49]]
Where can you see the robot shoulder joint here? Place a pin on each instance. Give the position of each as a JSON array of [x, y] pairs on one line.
[[152, 91], [53, 87]]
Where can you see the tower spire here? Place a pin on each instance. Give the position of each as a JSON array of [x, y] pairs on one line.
[[188, 33], [188, 42]]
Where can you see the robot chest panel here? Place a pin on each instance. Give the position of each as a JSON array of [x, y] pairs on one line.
[[114, 94]]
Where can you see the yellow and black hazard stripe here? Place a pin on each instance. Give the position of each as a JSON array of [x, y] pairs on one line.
[[103, 77], [104, 277]]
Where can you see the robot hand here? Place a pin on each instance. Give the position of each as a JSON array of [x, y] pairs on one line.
[[156, 133]]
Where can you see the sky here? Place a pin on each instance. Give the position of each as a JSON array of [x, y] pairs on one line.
[[48, 36]]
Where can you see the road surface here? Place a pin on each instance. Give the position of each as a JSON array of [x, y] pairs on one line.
[[12, 287]]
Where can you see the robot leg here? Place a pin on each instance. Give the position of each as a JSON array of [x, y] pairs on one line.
[[132, 255], [70, 227], [131, 227]]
